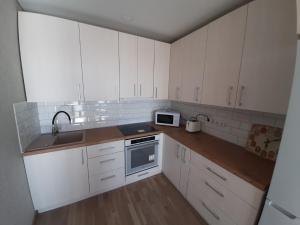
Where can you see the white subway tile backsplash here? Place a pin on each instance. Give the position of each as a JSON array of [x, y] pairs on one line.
[[99, 114], [27, 122], [229, 124]]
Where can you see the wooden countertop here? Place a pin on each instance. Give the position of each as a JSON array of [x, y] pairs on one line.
[[91, 137], [231, 157]]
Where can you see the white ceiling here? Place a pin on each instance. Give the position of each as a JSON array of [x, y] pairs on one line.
[[164, 20]]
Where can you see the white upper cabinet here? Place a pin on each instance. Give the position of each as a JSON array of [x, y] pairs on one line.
[[145, 67], [128, 51], [269, 56], [161, 70], [176, 62], [298, 16], [50, 53], [223, 58], [100, 63], [194, 46], [136, 66]]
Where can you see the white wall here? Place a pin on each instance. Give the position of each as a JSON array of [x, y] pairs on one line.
[[15, 202]]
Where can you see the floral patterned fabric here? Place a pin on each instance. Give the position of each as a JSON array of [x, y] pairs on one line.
[[264, 141]]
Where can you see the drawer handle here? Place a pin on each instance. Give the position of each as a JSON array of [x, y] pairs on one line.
[[106, 161], [107, 148], [215, 173], [107, 178], [215, 190], [183, 155], [178, 151], [143, 174], [283, 211], [210, 211]]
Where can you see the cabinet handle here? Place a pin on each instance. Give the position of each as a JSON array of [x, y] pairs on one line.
[[197, 94], [230, 89], [183, 155], [107, 160], [82, 157], [140, 90], [216, 174], [134, 91], [78, 90], [177, 93], [107, 148], [241, 95], [155, 92], [178, 152], [143, 174], [107, 178], [282, 211], [210, 211], [215, 190]]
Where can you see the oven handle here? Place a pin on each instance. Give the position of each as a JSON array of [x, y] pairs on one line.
[[137, 146]]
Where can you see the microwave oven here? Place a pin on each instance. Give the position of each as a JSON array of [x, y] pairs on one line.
[[167, 118]]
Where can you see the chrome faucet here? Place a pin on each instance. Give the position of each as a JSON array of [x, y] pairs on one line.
[[55, 129]]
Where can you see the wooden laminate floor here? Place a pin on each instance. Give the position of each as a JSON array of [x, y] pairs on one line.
[[153, 201]]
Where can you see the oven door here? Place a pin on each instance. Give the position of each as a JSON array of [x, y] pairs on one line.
[[140, 157]]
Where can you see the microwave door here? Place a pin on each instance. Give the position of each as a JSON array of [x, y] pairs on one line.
[[165, 119]]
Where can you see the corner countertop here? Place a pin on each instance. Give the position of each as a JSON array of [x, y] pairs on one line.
[[235, 159]]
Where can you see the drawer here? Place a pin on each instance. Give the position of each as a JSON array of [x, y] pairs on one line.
[[238, 210], [105, 149], [246, 191], [106, 163], [142, 175], [107, 181], [209, 211]]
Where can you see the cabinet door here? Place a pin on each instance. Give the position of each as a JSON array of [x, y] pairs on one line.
[[100, 63], [223, 59], [194, 47], [175, 70], [184, 170], [269, 56], [161, 70], [57, 178], [145, 67], [171, 160], [51, 62], [128, 65]]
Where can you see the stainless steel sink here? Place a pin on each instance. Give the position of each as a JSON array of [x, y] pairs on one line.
[[68, 138], [61, 139]]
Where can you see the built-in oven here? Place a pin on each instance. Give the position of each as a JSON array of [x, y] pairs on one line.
[[141, 154]]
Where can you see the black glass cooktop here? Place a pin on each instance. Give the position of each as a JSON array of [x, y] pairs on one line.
[[136, 128]]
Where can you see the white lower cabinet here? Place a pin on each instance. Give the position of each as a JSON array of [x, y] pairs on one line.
[[107, 181], [143, 175], [220, 197], [57, 178], [210, 212], [204, 191], [63, 177], [106, 164], [176, 163]]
